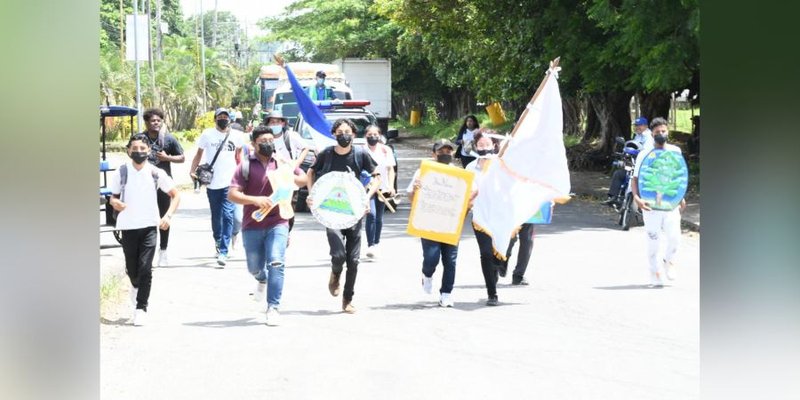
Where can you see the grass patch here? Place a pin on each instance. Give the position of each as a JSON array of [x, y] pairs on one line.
[[110, 292], [683, 120]]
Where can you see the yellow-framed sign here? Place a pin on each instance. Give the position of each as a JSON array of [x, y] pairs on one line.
[[440, 204]]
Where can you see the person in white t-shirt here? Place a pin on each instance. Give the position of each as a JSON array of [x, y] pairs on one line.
[[134, 186], [644, 138], [658, 223], [230, 145], [464, 140], [384, 156]]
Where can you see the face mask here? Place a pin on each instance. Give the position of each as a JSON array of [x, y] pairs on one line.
[[660, 139], [372, 141], [222, 123], [266, 149], [139, 156], [320, 81], [444, 158], [276, 129], [344, 140], [483, 152]]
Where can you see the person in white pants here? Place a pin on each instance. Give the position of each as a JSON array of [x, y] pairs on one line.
[[659, 224]]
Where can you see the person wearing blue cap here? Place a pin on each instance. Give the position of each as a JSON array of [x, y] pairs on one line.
[[644, 138]]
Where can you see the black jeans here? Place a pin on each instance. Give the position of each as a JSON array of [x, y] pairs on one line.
[[345, 247], [488, 262], [617, 180], [163, 206], [139, 246], [525, 249]]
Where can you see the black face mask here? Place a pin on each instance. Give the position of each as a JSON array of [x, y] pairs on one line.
[[444, 158], [344, 140], [266, 149], [660, 139], [372, 141], [139, 156], [222, 123], [483, 152]]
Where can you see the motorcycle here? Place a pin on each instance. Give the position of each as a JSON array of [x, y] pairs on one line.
[[623, 203]]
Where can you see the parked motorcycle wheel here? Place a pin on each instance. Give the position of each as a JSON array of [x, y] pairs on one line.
[[627, 210]]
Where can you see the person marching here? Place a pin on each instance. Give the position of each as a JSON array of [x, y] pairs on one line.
[[431, 249], [134, 186], [164, 150], [384, 156], [264, 241], [464, 140], [657, 223], [484, 145], [345, 244]]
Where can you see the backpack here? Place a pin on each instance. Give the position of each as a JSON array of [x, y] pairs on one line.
[[358, 153], [123, 180]]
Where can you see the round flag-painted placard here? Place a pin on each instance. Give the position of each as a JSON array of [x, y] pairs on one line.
[[339, 200], [662, 179]]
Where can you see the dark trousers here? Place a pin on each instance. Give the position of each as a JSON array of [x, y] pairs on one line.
[[617, 180], [139, 247], [488, 262], [466, 160], [431, 252], [345, 247], [163, 206], [525, 249]]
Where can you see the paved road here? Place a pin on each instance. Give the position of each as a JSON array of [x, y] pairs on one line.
[[586, 328]]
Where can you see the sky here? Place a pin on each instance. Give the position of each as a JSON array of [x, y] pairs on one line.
[[247, 11]]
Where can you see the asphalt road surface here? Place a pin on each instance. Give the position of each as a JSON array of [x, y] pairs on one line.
[[587, 327]]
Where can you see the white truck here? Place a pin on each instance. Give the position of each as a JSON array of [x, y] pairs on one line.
[[371, 79]]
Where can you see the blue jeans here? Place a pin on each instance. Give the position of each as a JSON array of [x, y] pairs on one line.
[[375, 221], [221, 218], [431, 251], [265, 250]]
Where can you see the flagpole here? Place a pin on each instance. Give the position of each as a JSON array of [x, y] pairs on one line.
[[553, 65]]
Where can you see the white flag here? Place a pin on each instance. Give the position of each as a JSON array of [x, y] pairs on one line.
[[532, 170]]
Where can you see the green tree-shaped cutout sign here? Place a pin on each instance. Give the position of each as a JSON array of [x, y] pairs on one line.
[[664, 176]]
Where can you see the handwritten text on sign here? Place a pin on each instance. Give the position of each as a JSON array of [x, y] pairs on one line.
[[439, 206]]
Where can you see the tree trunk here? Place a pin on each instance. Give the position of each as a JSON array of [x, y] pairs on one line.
[[655, 104], [572, 115], [608, 117], [592, 124]]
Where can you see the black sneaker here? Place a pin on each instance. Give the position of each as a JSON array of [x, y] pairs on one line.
[[519, 281], [492, 301], [611, 200]]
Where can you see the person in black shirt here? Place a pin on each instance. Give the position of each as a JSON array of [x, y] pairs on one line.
[[343, 158], [164, 150]]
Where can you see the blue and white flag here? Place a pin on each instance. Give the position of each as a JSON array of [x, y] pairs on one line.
[[319, 127]]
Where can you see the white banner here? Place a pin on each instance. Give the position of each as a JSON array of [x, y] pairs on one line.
[[141, 38]]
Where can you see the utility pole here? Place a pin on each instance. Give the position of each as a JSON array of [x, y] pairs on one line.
[[154, 98], [136, 57], [160, 36], [214, 28], [203, 55], [121, 33]]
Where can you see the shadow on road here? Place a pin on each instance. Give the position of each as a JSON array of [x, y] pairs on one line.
[[118, 321], [316, 313], [429, 305], [627, 287], [225, 324]]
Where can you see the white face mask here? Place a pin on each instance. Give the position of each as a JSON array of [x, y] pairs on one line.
[[320, 81], [276, 129]]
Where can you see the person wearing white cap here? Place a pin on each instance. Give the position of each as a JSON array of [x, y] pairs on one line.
[[220, 148], [644, 138]]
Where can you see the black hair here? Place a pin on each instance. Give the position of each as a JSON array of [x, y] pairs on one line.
[[260, 130], [139, 136], [658, 121], [153, 111], [341, 121], [484, 133], [370, 126]]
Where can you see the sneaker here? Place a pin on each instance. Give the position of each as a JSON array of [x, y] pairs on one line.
[[370, 253], [502, 269], [273, 316], [348, 307], [669, 268], [609, 201], [427, 284], [333, 284], [515, 280], [140, 317], [445, 300], [163, 260], [492, 301], [375, 251], [134, 292], [222, 259], [260, 292], [655, 280]]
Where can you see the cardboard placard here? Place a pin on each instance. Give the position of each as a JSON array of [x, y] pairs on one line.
[[439, 206]]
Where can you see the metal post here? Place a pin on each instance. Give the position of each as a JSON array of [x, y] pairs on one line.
[[203, 56], [136, 57], [154, 98]]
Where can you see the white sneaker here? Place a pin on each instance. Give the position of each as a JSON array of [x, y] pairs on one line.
[[222, 259], [655, 279], [445, 300], [375, 251], [669, 268], [260, 292], [370, 252], [427, 284], [273, 316], [134, 292], [140, 318], [163, 260]]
